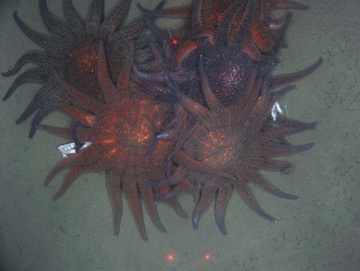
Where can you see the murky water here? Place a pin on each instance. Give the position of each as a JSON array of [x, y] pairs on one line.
[[321, 232]]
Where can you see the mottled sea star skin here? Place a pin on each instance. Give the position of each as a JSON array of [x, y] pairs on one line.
[[71, 50], [166, 110], [227, 62], [231, 136], [120, 129], [231, 144], [207, 18], [234, 37]]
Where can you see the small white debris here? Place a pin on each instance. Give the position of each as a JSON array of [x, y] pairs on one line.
[[162, 136], [276, 110], [69, 148]]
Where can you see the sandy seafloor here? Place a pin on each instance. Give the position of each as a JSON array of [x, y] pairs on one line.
[[321, 232]]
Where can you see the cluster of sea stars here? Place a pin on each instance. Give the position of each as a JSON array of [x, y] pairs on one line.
[[166, 110]]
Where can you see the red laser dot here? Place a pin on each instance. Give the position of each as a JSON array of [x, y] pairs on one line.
[[207, 257], [170, 257], [174, 42]]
